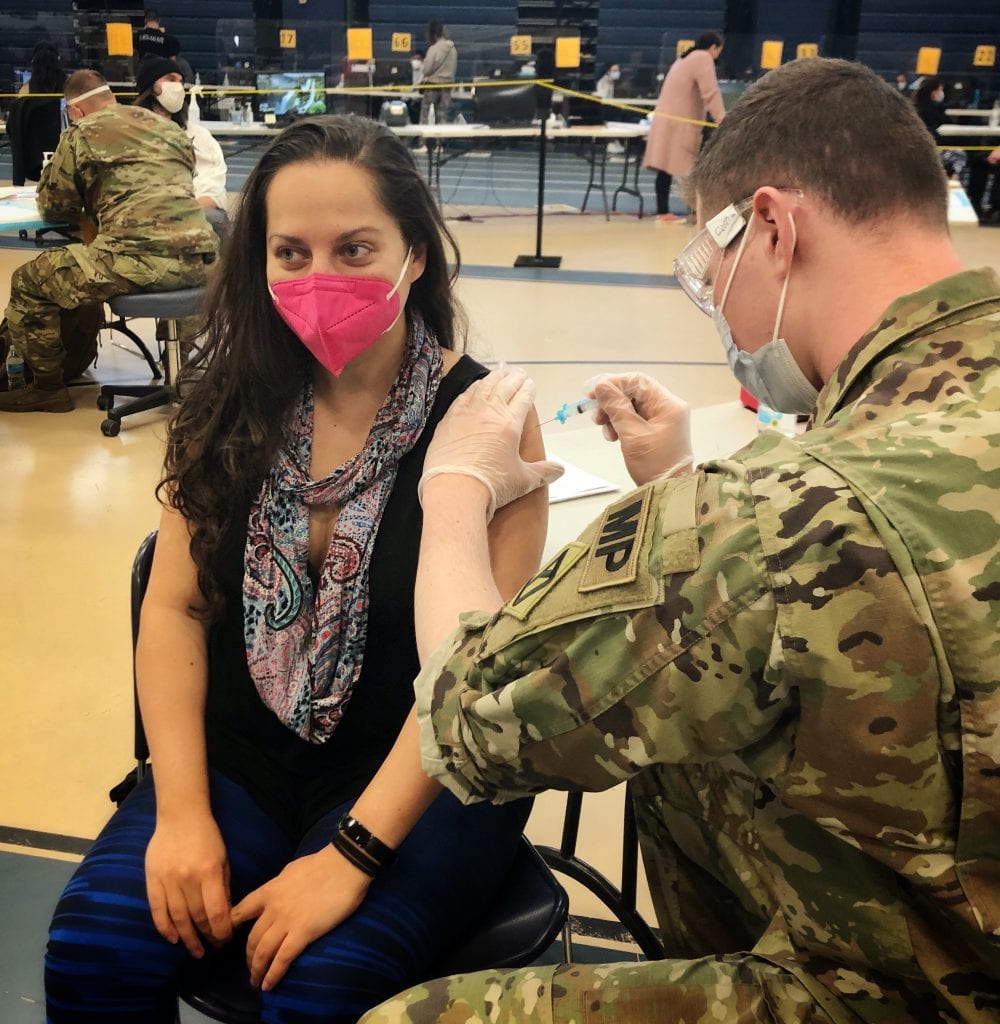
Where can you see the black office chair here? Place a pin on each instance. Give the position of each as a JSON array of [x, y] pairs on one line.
[[620, 901], [168, 307], [525, 919]]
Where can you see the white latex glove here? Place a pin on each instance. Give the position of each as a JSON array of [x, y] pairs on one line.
[[652, 424], [479, 437]]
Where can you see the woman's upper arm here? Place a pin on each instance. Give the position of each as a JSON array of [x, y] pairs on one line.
[[517, 532], [173, 577]]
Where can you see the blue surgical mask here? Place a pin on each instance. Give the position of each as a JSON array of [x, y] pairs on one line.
[[770, 374], [614, 75]]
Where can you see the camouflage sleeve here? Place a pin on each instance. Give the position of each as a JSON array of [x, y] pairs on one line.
[[59, 195], [649, 639]]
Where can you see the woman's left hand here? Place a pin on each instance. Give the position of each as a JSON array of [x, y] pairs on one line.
[[311, 896]]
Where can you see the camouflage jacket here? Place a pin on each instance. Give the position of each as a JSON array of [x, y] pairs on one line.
[[130, 171], [823, 609]]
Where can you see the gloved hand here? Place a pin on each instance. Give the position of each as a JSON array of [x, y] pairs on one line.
[[652, 423], [479, 437]]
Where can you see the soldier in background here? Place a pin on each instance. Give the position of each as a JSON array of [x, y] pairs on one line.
[[130, 173], [793, 654], [152, 39]]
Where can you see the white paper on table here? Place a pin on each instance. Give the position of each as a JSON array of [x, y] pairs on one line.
[[576, 483]]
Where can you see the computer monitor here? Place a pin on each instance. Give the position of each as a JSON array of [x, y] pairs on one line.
[[506, 104], [393, 72], [292, 92], [21, 77]]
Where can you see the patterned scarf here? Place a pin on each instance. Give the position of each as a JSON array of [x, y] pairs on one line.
[[305, 648]]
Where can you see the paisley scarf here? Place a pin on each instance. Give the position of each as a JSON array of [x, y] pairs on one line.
[[305, 644]]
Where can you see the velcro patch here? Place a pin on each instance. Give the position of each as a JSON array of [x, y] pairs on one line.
[[521, 605], [614, 552], [678, 526]]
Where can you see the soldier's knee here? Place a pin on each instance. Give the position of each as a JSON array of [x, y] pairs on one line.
[[422, 1004]]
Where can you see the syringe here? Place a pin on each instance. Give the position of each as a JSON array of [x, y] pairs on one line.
[[570, 409]]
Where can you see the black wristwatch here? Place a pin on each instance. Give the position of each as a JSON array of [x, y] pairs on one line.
[[351, 836]]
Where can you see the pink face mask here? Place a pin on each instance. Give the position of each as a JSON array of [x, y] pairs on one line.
[[338, 317]]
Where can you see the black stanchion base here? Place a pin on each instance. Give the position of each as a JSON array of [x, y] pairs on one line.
[[538, 261]]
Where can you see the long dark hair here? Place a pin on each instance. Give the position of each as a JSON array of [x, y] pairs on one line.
[[704, 41], [231, 423], [47, 74]]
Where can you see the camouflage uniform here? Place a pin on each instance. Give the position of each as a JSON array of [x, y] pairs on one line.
[[130, 172], [794, 656]]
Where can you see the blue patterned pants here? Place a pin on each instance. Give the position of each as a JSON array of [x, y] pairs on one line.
[[107, 963]]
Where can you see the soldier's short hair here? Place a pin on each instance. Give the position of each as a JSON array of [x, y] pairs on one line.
[[83, 81], [834, 129]]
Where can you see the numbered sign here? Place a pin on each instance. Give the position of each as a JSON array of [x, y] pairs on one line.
[[402, 42], [119, 39], [359, 44], [770, 53], [567, 51], [807, 50], [928, 60], [286, 38], [683, 45], [520, 46], [985, 57]]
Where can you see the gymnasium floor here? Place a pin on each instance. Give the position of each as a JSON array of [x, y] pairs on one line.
[[75, 504]]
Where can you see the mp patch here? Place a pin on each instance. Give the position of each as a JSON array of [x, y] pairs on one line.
[[614, 552]]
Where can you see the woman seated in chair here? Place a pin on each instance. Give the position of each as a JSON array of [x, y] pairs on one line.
[[277, 645]]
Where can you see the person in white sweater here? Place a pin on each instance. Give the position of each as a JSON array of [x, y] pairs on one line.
[[161, 89]]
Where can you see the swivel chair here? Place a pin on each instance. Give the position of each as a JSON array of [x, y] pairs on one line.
[[169, 307], [523, 922]]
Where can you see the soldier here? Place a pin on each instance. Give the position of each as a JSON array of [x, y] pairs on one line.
[[130, 172], [793, 654]]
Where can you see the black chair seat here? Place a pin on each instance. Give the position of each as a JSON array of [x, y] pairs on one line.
[[185, 302]]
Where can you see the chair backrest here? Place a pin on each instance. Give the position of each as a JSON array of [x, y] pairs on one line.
[[33, 128], [527, 915], [141, 565]]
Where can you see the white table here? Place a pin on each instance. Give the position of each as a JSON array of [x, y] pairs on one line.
[[967, 112], [969, 129], [716, 431], [435, 135], [599, 136], [21, 214]]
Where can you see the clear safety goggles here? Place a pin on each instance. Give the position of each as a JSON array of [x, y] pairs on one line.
[[697, 262]]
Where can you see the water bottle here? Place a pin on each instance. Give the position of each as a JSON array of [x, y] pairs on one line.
[[431, 116], [194, 110], [995, 115], [15, 371]]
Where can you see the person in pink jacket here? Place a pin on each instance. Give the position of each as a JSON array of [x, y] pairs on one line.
[[689, 90]]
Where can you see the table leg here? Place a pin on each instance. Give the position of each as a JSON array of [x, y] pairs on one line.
[[624, 186], [592, 161]]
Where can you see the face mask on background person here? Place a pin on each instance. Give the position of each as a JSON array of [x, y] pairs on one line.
[[770, 374], [171, 96], [337, 317], [614, 75], [416, 64]]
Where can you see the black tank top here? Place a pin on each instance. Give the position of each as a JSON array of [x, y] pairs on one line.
[[292, 780]]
